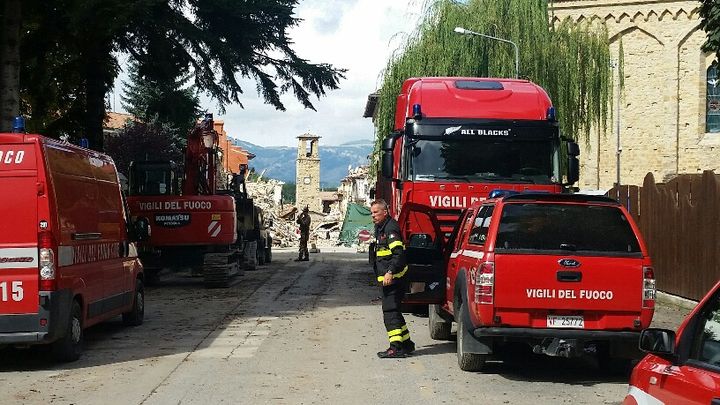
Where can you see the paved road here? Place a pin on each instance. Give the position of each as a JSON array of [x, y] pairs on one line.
[[288, 333]]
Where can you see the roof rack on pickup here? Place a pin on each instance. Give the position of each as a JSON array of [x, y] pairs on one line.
[[560, 197]]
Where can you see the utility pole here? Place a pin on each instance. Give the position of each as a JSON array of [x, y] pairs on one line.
[[618, 148]]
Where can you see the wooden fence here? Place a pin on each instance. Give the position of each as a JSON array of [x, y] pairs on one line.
[[680, 221]]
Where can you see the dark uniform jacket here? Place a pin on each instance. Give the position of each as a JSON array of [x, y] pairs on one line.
[[389, 250], [304, 222]]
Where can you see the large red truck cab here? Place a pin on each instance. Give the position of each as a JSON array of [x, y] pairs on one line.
[[67, 253], [456, 139]]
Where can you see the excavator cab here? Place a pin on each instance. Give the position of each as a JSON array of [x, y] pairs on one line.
[[154, 178]]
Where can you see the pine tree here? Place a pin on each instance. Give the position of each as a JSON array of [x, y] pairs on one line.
[[170, 103]]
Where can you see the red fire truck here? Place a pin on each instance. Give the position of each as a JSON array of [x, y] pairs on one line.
[[193, 224], [456, 139]]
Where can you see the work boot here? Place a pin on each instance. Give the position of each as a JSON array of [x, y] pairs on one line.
[[408, 346], [299, 259], [392, 353], [305, 259]]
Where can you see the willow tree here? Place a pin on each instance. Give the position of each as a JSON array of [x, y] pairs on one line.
[[571, 62]]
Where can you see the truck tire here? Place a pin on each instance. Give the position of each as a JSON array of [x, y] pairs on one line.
[[136, 315], [467, 361], [268, 254], [69, 347], [614, 366], [440, 329], [260, 255], [152, 276]]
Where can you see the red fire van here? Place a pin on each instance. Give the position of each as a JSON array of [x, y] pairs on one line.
[[67, 257]]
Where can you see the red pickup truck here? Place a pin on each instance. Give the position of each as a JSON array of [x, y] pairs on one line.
[[568, 274]]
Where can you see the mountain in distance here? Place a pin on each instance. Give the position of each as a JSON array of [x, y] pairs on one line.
[[279, 161]]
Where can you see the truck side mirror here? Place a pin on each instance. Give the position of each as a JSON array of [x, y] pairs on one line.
[[657, 341], [387, 165], [141, 228], [573, 170], [387, 158], [573, 162], [573, 149]]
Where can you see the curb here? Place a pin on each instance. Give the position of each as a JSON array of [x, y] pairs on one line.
[[676, 300]]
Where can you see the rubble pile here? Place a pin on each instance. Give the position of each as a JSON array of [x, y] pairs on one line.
[[325, 228]]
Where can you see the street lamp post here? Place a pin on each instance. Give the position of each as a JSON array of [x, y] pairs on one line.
[[463, 31], [618, 147]]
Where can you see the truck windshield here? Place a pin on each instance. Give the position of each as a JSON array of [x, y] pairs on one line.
[[544, 228], [486, 159]]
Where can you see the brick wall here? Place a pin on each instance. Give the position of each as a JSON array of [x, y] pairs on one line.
[[662, 109]]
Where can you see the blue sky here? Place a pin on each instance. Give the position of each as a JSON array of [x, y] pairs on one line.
[[358, 35]]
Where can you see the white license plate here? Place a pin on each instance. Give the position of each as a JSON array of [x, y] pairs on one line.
[[565, 321]]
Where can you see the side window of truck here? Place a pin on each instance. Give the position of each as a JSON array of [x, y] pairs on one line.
[[463, 229], [707, 346], [479, 232]]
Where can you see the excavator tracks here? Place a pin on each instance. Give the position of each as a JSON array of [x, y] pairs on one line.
[[219, 268]]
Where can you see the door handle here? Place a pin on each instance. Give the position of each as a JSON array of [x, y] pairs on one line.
[[569, 276]]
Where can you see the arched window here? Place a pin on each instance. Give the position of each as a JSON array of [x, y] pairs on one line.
[[712, 109]]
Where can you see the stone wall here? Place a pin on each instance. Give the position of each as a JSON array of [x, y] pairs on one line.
[[662, 107]]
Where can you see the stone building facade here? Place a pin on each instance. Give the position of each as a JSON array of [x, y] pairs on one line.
[[669, 111], [307, 191]]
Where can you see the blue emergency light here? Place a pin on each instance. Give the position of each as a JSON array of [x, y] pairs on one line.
[[551, 114], [500, 193], [417, 111], [18, 124], [497, 193]]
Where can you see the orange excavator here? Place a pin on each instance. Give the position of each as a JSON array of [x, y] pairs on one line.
[[193, 224]]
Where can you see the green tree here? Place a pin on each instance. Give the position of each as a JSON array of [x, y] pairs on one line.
[[170, 103], [710, 22], [10, 62], [288, 192], [571, 62], [214, 42]]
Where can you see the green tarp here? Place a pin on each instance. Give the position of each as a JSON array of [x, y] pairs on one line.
[[357, 218]]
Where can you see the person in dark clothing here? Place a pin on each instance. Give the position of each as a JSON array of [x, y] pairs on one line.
[[304, 221], [238, 181], [390, 267]]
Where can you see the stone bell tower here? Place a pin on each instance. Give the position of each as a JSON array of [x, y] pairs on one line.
[[307, 190]]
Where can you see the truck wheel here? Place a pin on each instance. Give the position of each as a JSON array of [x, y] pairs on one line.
[[466, 361], [440, 329], [136, 315], [612, 365], [152, 276], [69, 347], [260, 256], [268, 254]]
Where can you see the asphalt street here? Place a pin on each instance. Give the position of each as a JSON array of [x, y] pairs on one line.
[[290, 333]]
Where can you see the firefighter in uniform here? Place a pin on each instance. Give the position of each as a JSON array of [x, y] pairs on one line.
[[390, 267]]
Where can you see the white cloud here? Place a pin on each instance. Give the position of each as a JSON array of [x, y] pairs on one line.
[[358, 35]]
